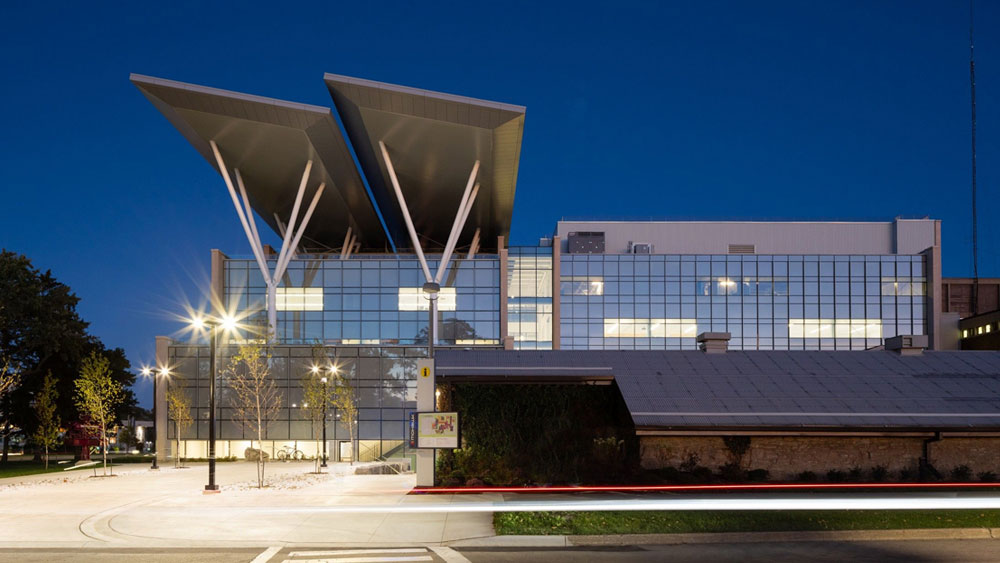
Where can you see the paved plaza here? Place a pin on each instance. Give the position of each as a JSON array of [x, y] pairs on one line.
[[167, 508]]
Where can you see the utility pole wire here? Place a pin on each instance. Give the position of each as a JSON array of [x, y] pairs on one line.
[[975, 230]]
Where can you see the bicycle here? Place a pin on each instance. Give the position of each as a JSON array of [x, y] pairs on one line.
[[289, 452]]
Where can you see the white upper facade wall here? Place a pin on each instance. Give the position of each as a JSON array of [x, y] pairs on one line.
[[901, 236]]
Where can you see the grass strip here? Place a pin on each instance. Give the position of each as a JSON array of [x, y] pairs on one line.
[[22, 468], [664, 522]]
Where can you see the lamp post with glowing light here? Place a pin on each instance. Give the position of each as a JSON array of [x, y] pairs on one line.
[[326, 399], [213, 326], [149, 372]]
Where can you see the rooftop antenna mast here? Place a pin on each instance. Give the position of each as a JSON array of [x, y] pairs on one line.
[[975, 237]]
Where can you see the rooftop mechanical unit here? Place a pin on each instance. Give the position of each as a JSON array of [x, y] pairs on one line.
[[585, 242]]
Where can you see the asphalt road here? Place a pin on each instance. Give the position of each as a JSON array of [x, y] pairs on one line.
[[918, 551]]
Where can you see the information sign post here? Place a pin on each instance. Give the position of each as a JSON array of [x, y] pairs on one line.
[[425, 403]]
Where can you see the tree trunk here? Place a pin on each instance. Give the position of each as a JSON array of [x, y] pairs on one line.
[[6, 442], [260, 460], [177, 449], [46, 456], [104, 448]]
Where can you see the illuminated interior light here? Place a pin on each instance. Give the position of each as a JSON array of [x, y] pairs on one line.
[[299, 299], [414, 299], [834, 328], [650, 328]]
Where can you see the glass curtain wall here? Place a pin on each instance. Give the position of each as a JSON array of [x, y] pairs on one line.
[[383, 379], [529, 297], [372, 300], [644, 302]]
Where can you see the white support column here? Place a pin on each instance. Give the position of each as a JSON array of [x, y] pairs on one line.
[[434, 316], [291, 220], [272, 310], [347, 240], [463, 215], [280, 270], [468, 207], [239, 210], [406, 212], [474, 247], [349, 249], [249, 210], [280, 224], [458, 224]]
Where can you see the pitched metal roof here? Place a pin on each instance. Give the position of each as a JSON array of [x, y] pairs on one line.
[[433, 140], [269, 141], [874, 390]]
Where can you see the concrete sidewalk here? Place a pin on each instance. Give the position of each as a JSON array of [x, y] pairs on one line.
[[167, 508]]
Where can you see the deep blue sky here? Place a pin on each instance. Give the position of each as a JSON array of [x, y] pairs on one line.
[[689, 109]]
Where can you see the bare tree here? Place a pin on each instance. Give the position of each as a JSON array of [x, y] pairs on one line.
[[179, 410], [256, 400], [346, 402], [97, 396], [47, 432]]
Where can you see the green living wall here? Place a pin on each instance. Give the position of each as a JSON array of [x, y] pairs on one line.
[[539, 434]]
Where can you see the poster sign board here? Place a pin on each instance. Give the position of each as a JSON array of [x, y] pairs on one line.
[[434, 430]]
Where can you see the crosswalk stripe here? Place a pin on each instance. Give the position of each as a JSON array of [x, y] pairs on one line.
[[356, 552], [449, 555], [266, 555], [361, 559]]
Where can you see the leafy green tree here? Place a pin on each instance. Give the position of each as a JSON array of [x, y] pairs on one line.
[[97, 397], [41, 332], [178, 410], [47, 432], [126, 438]]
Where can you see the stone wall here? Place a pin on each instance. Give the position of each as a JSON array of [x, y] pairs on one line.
[[980, 454], [786, 457]]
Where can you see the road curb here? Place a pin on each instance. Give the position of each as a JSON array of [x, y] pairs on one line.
[[730, 537]]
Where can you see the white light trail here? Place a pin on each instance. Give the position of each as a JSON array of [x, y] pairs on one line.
[[979, 502]]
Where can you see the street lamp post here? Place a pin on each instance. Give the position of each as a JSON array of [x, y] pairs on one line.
[[212, 333], [213, 326], [326, 397], [149, 372], [431, 289]]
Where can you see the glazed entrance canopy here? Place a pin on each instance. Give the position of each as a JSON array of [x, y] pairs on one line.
[[433, 141]]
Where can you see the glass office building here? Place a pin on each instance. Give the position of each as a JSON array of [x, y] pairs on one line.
[[657, 302], [367, 205]]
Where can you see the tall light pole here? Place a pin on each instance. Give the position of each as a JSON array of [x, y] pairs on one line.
[[432, 290], [213, 326], [326, 399], [149, 372]]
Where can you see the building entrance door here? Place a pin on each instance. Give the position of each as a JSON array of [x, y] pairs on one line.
[[345, 451]]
